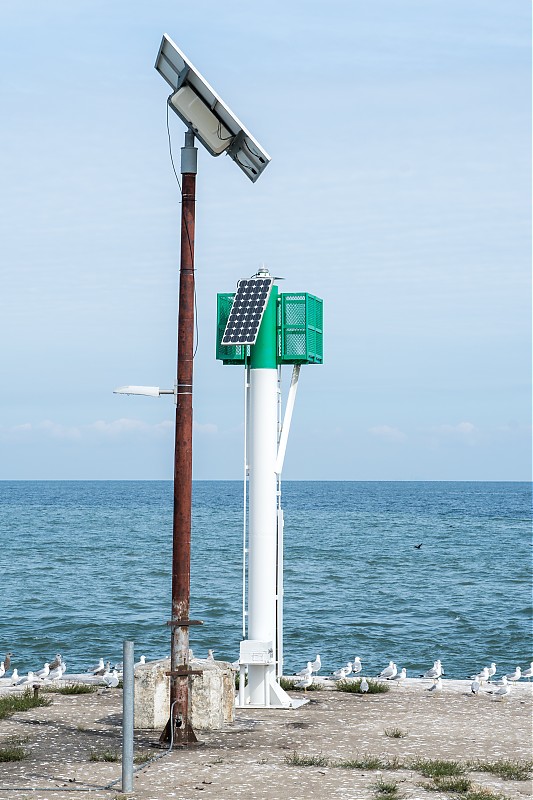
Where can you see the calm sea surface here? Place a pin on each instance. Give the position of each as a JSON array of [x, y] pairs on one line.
[[85, 564]]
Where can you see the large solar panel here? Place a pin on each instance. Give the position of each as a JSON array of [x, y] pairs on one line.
[[247, 311]]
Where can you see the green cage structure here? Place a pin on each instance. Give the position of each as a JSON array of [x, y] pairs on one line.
[[232, 354], [299, 330]]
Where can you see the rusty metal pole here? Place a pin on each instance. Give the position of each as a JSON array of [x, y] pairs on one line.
[[179, 717]]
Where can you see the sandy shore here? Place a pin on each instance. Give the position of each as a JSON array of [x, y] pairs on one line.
[[249, 758]]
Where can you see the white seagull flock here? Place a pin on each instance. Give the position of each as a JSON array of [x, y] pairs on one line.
[[56, 669], [481, 682]]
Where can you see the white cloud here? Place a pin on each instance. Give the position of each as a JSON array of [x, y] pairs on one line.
[[463, 429], [100, 429], [208, 428], [388, 433], [126, 426]]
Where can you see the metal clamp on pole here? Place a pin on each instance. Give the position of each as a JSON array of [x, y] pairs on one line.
[[189, 155]]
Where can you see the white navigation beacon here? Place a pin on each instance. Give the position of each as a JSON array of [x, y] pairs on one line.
[[199, 107], [247, 311]]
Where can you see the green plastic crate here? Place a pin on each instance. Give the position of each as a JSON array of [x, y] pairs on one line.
[[300, 332], [229, 354]]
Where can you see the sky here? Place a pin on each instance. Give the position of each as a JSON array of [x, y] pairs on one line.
[[398, 191]]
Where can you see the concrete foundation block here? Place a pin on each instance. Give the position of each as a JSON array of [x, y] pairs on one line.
[[212, 696]]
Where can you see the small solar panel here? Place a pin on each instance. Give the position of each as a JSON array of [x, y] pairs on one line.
[[247, 311]]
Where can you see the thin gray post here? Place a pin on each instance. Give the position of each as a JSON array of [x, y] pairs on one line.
[[127, 716]]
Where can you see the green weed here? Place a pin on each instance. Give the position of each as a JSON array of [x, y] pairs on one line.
[[306, 761], [12, 704], [386, 790], [104, 755], [354, 686], [505, 768], [437, 768], [369, 763], [395, 733]]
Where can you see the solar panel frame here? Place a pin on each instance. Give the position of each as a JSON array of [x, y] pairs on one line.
[[247, 311]]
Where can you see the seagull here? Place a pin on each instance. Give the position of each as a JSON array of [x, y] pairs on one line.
[[348, 669], [363, 686], [504, 690], [418, 546], [29, 678], [514, 676], [142, 660], [484, 675], [390, 671], [56, 673], [210, 655], [474, 686], [304, 683], [492, 670], [528, 673], [356, 665], [97, 667], [56, 662], [44, 672], [2, 669], [99, 672], [400, 676], [111, 679], [434, 672], [316, 664], [437, 686], [14, 677], [308, 670], [339, 674], [7, 661], [502, 681]]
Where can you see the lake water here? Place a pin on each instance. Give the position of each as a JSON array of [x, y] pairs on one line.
[[85, 564]]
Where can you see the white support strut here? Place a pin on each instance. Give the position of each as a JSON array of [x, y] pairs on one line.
[[284, 436]]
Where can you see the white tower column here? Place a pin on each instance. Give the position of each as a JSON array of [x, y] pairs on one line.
[[262, 543]]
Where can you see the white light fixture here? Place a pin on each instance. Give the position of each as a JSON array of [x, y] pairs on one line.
[[200, 108], [148, 391], [191, 108]]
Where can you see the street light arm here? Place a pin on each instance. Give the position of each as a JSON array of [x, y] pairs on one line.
[[148, 391]]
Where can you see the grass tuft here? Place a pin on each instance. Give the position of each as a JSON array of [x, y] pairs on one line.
[[295, 760], [238, 680], [12, 704], [75, 688], [354, 686], [286, 683], [386, 790], [11, 749], [395, 733], [104, 755], [437, 768], [479, 793], [448, 783], [369, 763], [505, 768]]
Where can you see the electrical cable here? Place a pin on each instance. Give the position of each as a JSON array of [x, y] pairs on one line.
[[219, 134], [187, 231], [245, 166]]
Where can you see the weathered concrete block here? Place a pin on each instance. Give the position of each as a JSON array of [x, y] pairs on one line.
[[212, 694]]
